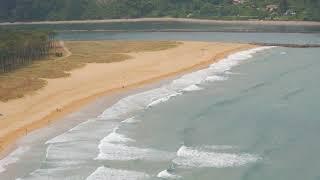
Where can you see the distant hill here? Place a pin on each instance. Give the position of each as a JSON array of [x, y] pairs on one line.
[[38, 10]]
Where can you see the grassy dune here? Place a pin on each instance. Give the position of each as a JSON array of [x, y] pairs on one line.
[[33, 77]]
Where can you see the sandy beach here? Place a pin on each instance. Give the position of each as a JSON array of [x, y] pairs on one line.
[[65, 95], [168, 19]]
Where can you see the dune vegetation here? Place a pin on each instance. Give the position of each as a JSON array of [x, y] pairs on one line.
[[32, 77]]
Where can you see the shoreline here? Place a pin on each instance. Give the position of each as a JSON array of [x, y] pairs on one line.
[[165, 19], [8, 139]]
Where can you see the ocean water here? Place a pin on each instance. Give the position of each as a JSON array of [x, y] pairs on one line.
[[253, 115]]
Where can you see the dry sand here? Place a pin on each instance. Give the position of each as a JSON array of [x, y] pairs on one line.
[[65, 95]]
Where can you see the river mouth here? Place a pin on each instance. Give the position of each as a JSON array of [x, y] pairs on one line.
[[180, 26]]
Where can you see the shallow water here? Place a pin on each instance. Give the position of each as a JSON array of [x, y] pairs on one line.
[[173, 26], [292, 38], [253, 115]]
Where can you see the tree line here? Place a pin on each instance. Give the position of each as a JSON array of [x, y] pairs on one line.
[[20, 47], [28, 10]]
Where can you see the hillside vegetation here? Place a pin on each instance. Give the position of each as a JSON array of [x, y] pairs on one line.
[[28, 10]]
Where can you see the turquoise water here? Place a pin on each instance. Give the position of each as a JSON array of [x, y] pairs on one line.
[[252, 116]]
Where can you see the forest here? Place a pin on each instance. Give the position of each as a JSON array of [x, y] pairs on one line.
[[19, 47], [31, 10]]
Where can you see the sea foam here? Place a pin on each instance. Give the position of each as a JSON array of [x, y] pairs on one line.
[[162, 99], [80, 132], [192, 88], [122, 152], [12, 157], [130, 120], [137, 102], [185, 83], [216, 78], [115, 137], [194, 157], [103, 173], [165, 174], [114, 147]]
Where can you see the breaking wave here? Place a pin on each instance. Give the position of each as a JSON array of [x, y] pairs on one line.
[[193, 157], [103, 173], [165, 174]]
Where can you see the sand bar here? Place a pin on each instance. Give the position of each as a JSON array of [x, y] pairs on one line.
[[65, 95], [168, 19]]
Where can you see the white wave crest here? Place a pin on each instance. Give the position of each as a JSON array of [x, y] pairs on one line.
[[165, 174], [193, 78], [192, 88], [65, 137], [115, 137], [138, 101], [163, 99], [216, 78], [234, 59], [121, 152], [130, 120], [192, 157]]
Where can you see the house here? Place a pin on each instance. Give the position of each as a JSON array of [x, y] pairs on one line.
[[237, 1], [189, 15], [272, 7], [290, 12]]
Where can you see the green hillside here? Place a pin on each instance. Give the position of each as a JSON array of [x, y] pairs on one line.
[[27, 10]]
